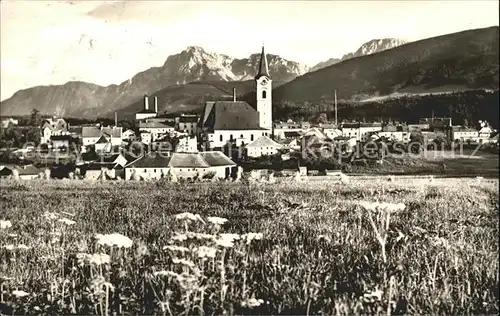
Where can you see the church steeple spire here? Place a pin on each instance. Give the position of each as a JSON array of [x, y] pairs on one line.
[[263, 67]]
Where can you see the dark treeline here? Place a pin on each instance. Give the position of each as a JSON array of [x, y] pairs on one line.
[[471, 106]]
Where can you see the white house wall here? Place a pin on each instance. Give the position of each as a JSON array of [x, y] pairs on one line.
[[180, 173], [220, 137]]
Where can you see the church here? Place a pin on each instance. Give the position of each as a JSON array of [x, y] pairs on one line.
[[237, 121]]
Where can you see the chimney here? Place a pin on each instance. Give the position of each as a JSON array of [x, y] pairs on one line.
[[146, 105], [234, 94], [116, 119], [156, 104]]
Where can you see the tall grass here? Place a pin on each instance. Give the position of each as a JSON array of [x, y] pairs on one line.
[[318, 252]]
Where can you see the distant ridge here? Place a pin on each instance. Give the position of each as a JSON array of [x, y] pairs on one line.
[[454, 62]]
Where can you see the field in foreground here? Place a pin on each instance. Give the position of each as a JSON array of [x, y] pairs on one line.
[[315, 248]]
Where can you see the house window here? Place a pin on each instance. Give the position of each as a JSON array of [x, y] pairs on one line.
[[145, 170], [264, 93], [241, 136], [231, 137], [220, 137], [251, 137], [154, 170]]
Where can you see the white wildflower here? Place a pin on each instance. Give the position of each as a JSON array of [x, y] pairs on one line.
[[176, 248], [227, 240], [252, 302], [114, 239], [325, 238], [165, 273], [377, 206], [252, 236], [99, 258], [400, 236], [200, 236], [66, 221], [205, 252], [230, 236], [216, 220], [189, 217], [12, 235], [226, 243], [179, 237], [20, 293], [5, 224], [9, 247], [23, 247], [183, 262]]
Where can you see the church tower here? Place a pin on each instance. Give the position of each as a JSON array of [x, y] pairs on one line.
[[264, 94]]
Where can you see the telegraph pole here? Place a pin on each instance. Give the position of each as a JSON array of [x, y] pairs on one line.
[[336, 122]]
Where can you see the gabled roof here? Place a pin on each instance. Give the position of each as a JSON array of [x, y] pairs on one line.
[[154, 124], [188, 119], [293, 134], [263, 141], [464, 129], [183, 160], [315, 132], [230, 115], [216, 158], [25, 170], [94, 131], [102, 140]]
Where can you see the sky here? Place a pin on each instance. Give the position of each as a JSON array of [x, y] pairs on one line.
[[106, 42]]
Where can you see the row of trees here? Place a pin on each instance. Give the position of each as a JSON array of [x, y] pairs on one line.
[[467, 106]]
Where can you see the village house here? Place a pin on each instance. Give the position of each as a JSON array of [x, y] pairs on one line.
[[360, 131], [24, 172], [9, 121], [183, 165], [145, 137], [485, 132], [155, 129], [398, 133], [262, 146], [237, 122], [187, 144], [437, 123], [330, 130], [286, 129], [52, 127], [103, 144], [464, 134], [128, 135], [147, 112], [61, 142], [96, 171], [187, 124], [92, 134]]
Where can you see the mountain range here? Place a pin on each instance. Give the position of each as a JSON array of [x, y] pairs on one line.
[[194, 64], [454, 62], [368, 48], [464, 60]]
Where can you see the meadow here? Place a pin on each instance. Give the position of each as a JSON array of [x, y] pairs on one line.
[[354, 247]]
